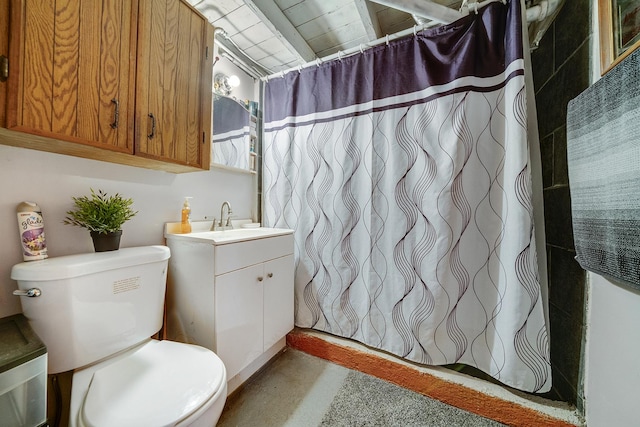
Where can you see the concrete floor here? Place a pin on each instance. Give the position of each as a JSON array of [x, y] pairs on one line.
[[299, 390]]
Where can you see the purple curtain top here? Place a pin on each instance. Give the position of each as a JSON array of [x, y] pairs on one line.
[[481, 45], [230, 119]]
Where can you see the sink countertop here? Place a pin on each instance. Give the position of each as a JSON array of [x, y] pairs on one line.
[[202, 234]]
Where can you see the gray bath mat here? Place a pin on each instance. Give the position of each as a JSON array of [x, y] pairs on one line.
[[364, 400]]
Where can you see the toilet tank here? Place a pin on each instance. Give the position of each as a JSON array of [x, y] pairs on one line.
[[94, 305]]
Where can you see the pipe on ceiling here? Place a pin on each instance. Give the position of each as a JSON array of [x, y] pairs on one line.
[[427, 9], [542, 10], [236, 55]]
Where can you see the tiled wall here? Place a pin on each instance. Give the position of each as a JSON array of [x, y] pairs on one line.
[[561, 70]]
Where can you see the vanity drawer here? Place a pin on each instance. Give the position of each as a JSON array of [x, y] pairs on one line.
[[234, 256]]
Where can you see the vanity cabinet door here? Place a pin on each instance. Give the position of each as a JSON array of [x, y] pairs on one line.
[[278, 299], [70, 87], [238, 317], [173, 84]]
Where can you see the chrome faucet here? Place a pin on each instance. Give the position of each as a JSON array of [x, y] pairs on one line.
[[222, 225]]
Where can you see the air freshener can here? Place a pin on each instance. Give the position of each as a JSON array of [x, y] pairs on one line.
[[31, 228]]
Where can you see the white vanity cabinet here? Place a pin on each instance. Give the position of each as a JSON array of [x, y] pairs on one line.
[[234, 298], [253, 309]]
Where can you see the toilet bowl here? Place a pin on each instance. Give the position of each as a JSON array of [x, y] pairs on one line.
[[96, 313]]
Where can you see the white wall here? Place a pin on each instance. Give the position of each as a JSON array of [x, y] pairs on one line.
[[612, 366], [51, 180]]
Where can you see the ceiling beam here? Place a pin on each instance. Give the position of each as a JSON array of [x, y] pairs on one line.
[[369, 19], [271, 15], [428, 9]]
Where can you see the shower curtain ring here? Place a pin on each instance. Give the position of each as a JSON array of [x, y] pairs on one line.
[[340, 53], [318, 62], [415, 33], [299, 69], [475, 7], [361, 49], [387, 41]]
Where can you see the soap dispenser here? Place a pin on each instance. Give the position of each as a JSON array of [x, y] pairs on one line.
[[185, 225]]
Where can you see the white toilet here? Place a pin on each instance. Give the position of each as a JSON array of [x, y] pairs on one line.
[[95, 313]]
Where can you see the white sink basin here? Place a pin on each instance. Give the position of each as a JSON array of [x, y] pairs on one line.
[[231, 236]]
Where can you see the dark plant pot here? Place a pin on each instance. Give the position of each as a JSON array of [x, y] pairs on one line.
[[103, 242]]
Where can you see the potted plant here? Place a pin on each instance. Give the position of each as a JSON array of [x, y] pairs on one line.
[[103, 216]]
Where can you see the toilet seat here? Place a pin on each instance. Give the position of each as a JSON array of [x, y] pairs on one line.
[[159, 384]]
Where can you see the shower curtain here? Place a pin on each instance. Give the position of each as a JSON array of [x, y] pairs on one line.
[[404, 171]]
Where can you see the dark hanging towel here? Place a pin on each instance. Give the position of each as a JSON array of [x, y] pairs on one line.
[[603, 147]]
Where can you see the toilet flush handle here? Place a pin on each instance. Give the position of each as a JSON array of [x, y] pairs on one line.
[[33, 292]]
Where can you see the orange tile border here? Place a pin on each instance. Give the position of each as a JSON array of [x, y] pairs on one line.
[[453, 394]]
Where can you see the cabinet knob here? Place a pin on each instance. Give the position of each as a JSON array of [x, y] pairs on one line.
[[260, 278], [270, 275]]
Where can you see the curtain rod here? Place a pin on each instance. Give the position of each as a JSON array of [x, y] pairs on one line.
[[386, 39]]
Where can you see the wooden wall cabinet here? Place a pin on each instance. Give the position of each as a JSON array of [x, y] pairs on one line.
[[125, 81], [173, 86]]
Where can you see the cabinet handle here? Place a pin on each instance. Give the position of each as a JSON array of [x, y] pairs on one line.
[[270, 275], [4, 68], [153, 126], [116, 114], [260, 278]]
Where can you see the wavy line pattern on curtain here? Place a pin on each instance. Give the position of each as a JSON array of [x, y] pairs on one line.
[[404, 172]]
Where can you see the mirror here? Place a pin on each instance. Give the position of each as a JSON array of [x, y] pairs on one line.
[[234, 134]]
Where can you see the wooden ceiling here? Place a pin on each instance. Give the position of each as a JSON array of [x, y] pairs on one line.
[[282, 34], [275, 35]]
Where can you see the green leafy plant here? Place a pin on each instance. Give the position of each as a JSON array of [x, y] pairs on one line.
[[100, 213]]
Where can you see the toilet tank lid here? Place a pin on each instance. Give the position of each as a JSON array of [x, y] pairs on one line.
[[69, 266]]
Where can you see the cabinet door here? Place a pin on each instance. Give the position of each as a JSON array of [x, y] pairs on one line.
[[278, 299], [238, 317], [68, 87], [173, 84]]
